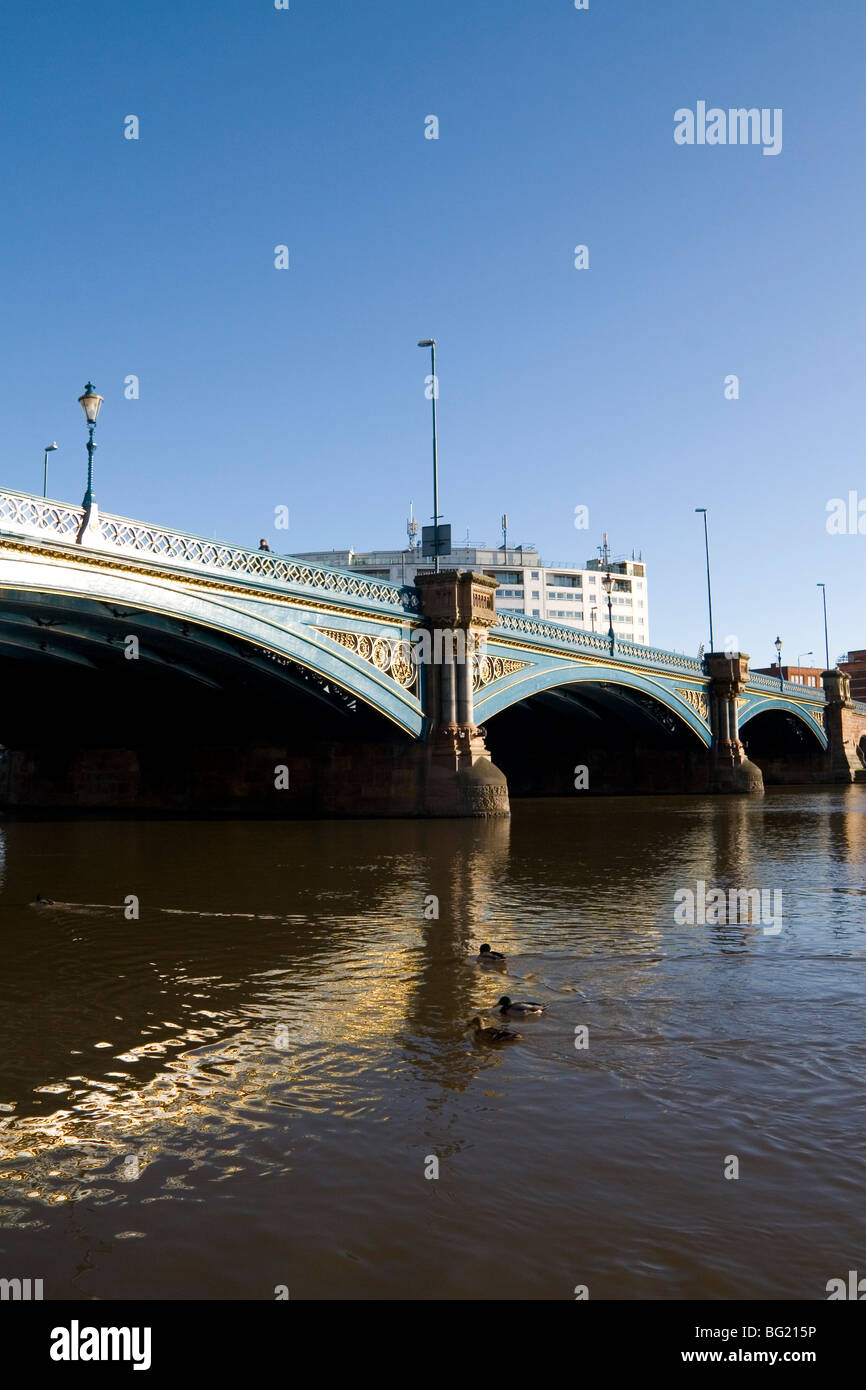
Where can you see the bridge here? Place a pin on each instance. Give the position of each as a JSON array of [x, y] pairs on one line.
[[147, 669]]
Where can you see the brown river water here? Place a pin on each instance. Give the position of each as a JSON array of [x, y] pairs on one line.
[[244, 1087]]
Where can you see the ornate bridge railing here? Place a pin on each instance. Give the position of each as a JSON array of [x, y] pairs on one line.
[[34, 516], [802, 692], [595, 643]]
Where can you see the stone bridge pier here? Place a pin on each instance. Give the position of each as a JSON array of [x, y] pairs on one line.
[[460, 778], [846, 729], [730, 769]]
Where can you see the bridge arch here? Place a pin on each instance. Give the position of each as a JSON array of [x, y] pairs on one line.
[[783, 707], [592, 728], [75, 623], [522, 686]]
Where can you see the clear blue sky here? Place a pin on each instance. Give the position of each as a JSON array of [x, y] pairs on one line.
[[559, 387]]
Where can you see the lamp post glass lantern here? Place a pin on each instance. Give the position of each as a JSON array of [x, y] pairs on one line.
[[90, 403]]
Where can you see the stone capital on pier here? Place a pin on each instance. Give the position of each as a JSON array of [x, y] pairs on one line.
[[837, 687], [457, 598]]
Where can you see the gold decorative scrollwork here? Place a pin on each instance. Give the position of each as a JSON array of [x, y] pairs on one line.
[[390, 655], [486, 669], [698, 701], [402, 667]]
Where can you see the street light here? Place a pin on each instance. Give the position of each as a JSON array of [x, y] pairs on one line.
[[778, 645], [48, 449], [800, 656], [431, 344], [823, 588], [703, 510], [90, 403], [607, 585]]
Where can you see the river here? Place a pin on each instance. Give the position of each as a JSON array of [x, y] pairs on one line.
[[233, 1055]]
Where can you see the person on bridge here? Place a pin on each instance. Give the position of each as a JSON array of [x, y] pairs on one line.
[[263, 545]]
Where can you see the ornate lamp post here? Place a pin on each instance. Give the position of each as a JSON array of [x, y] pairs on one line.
[[48, 449], [607, 585], [90, 403], [778, 645]]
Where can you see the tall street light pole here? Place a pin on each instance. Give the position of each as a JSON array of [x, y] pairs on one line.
[[778, 646], [823, 588], [48, 449], [431, 344], [703, 510]]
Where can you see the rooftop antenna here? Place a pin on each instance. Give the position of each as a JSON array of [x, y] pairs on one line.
[[412, 529], [504, 530], [604, 552]]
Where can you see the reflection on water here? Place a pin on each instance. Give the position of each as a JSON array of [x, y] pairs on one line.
[[241, 1088]]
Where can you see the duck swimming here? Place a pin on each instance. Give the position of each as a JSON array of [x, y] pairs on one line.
[[487, 957], [519, 1008], [39, 901], [491, 1035]]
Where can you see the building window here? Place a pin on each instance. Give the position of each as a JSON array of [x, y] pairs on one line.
[[564, 581]]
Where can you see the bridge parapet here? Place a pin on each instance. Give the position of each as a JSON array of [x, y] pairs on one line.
[[800, 692], [591, 643], [24, 514]]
